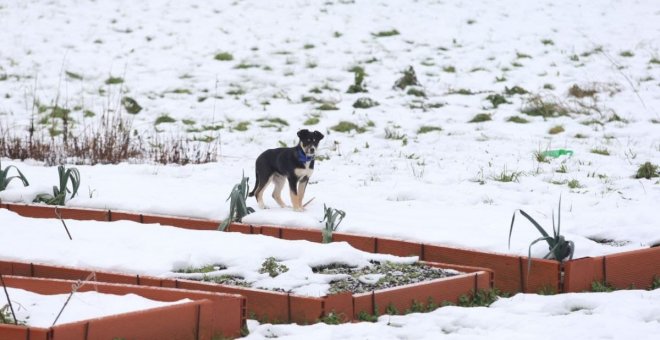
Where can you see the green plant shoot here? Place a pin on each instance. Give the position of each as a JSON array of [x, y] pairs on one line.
[[237, 206], [559, 247], [59, 194], [5, 180], [332, 219]]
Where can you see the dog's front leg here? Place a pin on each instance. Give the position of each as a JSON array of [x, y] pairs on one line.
[[302, 186], [295, 194]]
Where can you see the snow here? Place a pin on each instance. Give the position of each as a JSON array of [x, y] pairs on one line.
[[523, 316], [38, 310], [436, 187], [152, 249]]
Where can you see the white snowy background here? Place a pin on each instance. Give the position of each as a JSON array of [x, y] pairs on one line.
[[434, 187]]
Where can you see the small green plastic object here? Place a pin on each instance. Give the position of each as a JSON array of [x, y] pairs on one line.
[[557, 152]]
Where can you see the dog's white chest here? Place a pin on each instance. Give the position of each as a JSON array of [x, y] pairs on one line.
[[304, 172]]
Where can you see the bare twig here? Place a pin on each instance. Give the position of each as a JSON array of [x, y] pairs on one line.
[[11, 307], [74, 288], [57, 213]]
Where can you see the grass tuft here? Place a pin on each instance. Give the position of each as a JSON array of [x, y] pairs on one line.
[[603, 151], [556, 130], [480, 117], [224, 56], [365, 103], [428, 128], [517, 120], [345, 126], [647, 170], [578, 92], [538, 106], [389, 33], [496, 100]]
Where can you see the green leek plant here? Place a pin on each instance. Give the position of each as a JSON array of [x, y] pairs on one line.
[[237, 206], [5, 179], [59, 194], [559, 247], [332, 218]]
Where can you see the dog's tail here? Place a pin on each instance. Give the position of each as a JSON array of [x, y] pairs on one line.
[[256, 184]]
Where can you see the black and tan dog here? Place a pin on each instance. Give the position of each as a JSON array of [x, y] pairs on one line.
[[294, 165]]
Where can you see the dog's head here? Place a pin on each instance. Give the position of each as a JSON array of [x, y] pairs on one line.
[[309, 141]]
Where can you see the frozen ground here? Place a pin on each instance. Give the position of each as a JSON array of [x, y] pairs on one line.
[[391, 179]]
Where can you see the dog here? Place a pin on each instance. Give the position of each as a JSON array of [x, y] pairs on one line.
[[294, 165]]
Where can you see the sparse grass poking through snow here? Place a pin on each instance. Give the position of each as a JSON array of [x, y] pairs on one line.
[[647, 170], [311, 121], [393, 134], [574, 184], [389, 33], [409, 78], [327, 107], [345, 126], [496, 100], [416, 92], [654, 60], [556, 130], [428, 128], [480, 117], [517, 120], [541, 157], [520, 55], [131, 105], [242, 126], [578, 92], [627, 54], [165, 118], [547, 42], [507, 176], [114, 80], [365, 103], [449, 69], [358, 82], [603, 151], [601, 287], [546, 108], [224, 56]]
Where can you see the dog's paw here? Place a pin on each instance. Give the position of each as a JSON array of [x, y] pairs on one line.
[[298, 209]]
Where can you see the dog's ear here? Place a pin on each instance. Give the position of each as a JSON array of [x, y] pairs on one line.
[[318, 135], [303, 133]]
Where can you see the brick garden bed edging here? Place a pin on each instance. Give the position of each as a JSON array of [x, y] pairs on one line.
[[622, 270], [208, 316], [278, 307]]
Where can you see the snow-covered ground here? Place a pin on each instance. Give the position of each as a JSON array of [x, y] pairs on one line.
[[37, 310], [523, 316], [391, 179]]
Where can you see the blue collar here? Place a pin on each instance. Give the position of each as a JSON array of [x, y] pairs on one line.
[[302, 157]]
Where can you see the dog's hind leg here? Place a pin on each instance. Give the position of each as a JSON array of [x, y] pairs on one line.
[[277, 192], [256, 183], [259, 191]]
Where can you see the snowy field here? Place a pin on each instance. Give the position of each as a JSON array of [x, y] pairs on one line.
[[249, 74]]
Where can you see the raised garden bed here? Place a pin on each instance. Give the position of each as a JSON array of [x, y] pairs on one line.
[[284, 307], [622, 270], [172, 254], [204, 316]]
